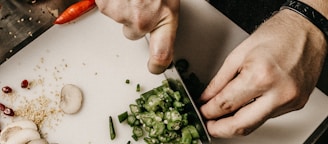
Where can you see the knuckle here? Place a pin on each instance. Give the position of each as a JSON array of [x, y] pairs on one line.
[[293, 98], [131, 34], [298, 102], [242, 131], [142, 24], [112, 12], [224, 104], [205, 112], [299, 106], [264, 77]]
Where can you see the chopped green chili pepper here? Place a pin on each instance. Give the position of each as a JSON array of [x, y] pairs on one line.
[[186, 136], [161, 114], [193, 131], [135, 109], [137, 131], [132, 120], [127, 81], [123, 116], [138, 88], [151, 140], [135, 137], [111, 128], [157, 130]]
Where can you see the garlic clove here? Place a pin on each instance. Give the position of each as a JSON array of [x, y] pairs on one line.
[[9, 132], [14, 127], [23, 136], [71, 99], [23, 124]]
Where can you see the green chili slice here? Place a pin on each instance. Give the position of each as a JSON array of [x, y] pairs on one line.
[[111, 128], [123, 116]]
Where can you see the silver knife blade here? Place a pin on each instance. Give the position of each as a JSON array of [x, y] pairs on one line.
[[172, 74]]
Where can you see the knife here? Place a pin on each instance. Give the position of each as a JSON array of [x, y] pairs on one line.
[[22, 21], [172, 74]]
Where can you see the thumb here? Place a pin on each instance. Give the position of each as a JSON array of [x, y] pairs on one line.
[[161, 47]]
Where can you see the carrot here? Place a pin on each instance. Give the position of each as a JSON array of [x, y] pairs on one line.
[[75, 10]]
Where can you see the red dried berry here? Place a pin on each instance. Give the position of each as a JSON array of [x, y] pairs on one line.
[[2, 107], [9, 112], [6, 89], [24, 84]]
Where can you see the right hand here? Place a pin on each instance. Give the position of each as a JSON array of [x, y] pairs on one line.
[[157, 17]]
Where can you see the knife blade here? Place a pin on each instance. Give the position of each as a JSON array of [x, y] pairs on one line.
[[172, 74], [22, 21]]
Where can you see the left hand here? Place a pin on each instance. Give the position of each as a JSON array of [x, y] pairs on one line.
[[278, 66], [139, 17]]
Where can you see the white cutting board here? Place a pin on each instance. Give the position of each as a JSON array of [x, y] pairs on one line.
[[93, 54]]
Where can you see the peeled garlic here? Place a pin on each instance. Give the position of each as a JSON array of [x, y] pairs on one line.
[[71, 99], [20, 132], [23, 136]]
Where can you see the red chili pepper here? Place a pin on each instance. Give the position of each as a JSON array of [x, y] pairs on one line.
[[75, 10]]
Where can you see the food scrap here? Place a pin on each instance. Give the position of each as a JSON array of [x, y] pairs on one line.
[[138, 88], [112, 133], [127, 81]]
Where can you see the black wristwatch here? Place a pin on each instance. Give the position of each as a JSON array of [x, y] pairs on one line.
[[309, 13]]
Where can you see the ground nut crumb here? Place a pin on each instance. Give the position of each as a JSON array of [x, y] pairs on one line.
[[40, 111]]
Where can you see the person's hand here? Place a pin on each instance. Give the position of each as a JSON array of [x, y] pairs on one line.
[[271, 73], [139, 17]]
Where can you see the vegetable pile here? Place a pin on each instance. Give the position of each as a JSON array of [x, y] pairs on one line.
[[161, 115]]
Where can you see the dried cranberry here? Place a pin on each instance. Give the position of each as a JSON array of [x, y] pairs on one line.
[[24, 84], [6, 89], [2, 107], [9, 112]]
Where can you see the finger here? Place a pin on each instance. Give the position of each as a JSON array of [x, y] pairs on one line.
[[239, 92], [245, 120], [117, 10], [161, 48], [100, 4], [226, 73]]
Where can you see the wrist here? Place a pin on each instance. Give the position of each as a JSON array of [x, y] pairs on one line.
[[320, 5], [307, 11], [291, 28]]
